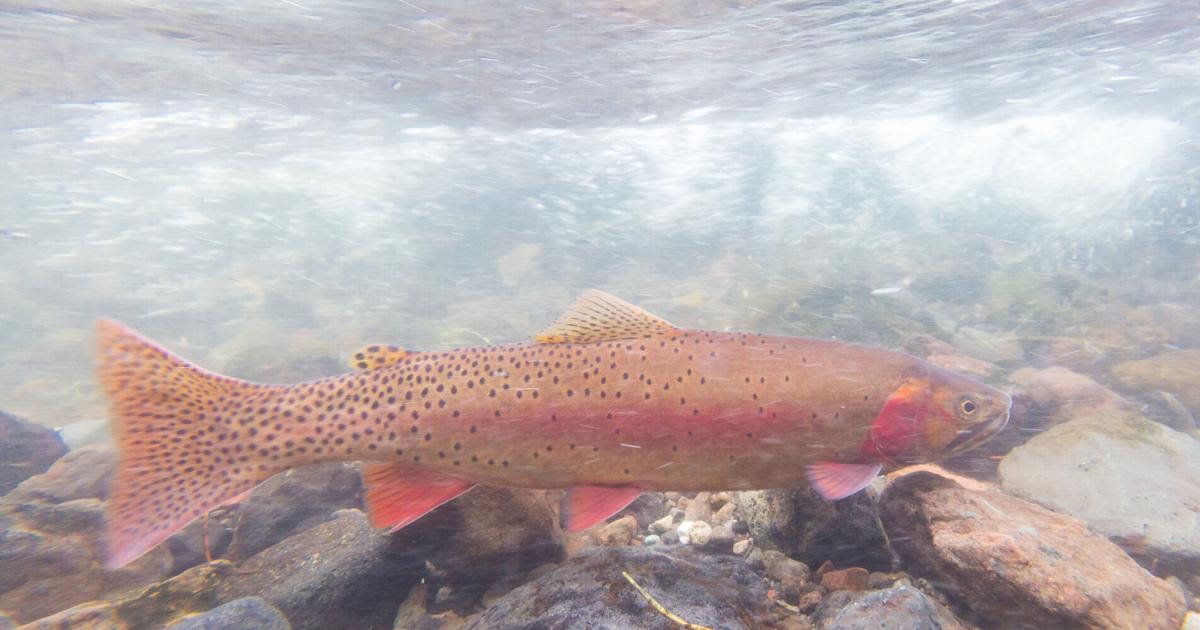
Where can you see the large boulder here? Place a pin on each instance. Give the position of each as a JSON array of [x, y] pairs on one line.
[[292, 502], [1176, 372], [1010, 563], [26, 449], [487, 535], [1131, 479], [713, 591], [340, 573], [51, 541], [799, 523], [80, 474]]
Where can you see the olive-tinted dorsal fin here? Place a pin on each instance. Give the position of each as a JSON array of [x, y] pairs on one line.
[[377, 356], [599, 316]]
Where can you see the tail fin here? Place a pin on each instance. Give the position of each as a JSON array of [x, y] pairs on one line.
[[183, 445]]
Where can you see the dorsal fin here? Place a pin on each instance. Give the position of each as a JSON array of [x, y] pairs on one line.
[[377, 356], [599, 316]]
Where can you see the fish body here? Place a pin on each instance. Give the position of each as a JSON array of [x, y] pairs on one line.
[[609, 402]]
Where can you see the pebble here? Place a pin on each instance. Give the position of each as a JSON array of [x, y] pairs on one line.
[[741, 547], [701, 533], [619, 533], [684, 532], [852, 579], [652, 539], [721, 539], [670, 537]]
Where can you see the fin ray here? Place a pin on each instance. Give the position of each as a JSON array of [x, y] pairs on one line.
[[164, 410], [833, 480], [585, 506], [599, 316], [398, 494]]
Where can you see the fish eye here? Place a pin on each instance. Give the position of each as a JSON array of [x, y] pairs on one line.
[[968, 407]]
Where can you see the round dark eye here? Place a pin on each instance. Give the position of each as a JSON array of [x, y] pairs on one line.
[[968, 407]]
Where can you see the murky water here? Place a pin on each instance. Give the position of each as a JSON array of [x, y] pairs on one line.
[[1011, 189]]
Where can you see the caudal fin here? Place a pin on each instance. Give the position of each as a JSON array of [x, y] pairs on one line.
[[184, 447]]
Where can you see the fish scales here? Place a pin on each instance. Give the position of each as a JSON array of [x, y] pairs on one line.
[[656, 408]]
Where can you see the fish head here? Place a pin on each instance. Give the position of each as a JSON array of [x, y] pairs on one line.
[[936, 414]]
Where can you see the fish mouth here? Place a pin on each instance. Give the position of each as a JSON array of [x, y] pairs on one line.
[[969, 439]]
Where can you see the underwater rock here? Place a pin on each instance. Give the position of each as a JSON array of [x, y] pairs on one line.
[[51, 543], [896, 607], [293, 502], [488, 534], [647, 508], [80, 474], [1010, 562], [1062, 393], [852, 579], [801, 524], [1131, 479], [341, 572], [247, 612], [26, 449], [698, 509], [1176, 372], [90, 615], [714, 591], [619, 532], [791, 575]]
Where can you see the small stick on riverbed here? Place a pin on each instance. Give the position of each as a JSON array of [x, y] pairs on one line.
[[659, 607]]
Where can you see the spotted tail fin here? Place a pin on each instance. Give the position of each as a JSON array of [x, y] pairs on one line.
[[183, 449]]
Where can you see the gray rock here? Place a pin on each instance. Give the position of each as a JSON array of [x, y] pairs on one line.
[[651, 540], [670, 537], [799, 523], [720, 540], [81, 474], [1131, 479], [320, 576], [488, 534], [293, 502], [247, 612], [588, 591], [1015, 564], [897, 608], [698, 509], [26, 449], [647, 508]]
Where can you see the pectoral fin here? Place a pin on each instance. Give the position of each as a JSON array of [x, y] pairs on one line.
[[833, 480]]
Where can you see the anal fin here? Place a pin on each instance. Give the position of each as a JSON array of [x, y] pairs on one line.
[[588, 505], [398, 494]]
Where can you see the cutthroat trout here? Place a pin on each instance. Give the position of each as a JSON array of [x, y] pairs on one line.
[[608, 402]]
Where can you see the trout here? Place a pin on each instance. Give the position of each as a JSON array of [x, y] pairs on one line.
[[609, 402]]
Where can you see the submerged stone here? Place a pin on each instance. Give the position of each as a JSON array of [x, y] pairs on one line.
[[239, 614], [26, 449], [1010, 563], [589, 589], [1131, 479]]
